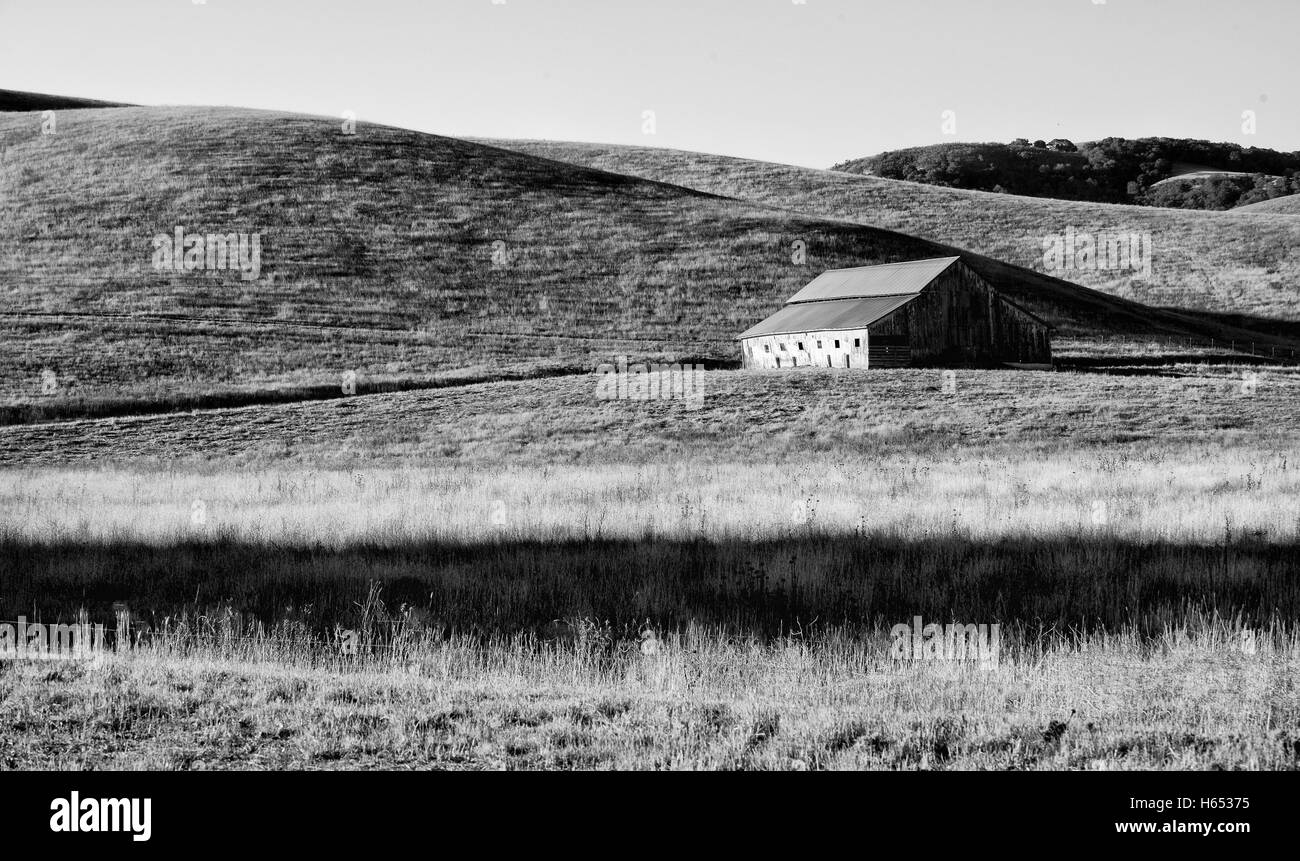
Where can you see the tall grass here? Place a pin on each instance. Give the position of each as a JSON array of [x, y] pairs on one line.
[[1081, 540], [1190, 697]]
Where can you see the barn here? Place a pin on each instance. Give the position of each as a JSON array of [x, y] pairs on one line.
[[921, 313]]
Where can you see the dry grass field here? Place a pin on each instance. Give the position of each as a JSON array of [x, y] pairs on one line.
[[504, 550], [1177, 701], [745, 417]]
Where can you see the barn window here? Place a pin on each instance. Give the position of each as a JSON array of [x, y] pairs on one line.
[[782, 346], [819, 345], [767, 348], [857, 342], [837, 345], [801, 346]]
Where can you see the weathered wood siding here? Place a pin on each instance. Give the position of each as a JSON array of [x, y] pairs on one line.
[[960, 320], [888, 351]]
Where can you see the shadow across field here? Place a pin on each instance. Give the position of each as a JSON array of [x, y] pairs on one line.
[[765, 589], [1271, 326], [74, 409]]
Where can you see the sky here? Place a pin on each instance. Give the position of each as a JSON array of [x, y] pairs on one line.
[[806, 82]]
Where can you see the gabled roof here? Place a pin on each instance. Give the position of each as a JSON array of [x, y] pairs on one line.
[[889, 279], [851, 298], [829, 315]]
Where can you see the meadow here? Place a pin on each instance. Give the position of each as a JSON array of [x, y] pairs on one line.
[[501, 553], [749, 417]]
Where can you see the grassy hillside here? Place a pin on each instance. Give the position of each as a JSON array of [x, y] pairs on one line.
[[1224, 263], [391, 254], [1289, 205]]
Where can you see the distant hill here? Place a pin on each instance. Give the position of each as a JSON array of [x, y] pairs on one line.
[[1289, 205], [1193, 172], [1226, 263], [395, 255], [16, 100], [1219, 190], [1114, 170]]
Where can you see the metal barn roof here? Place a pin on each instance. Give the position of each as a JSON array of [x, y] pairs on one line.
[[889, 279], [829, 315], [851, 298]]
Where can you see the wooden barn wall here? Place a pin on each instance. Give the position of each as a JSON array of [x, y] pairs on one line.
[[961, 320], [1029, 339]]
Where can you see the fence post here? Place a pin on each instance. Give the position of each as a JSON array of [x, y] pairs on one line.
[[123, 612]]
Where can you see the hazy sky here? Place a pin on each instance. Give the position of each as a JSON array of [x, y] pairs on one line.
[[809, 83]]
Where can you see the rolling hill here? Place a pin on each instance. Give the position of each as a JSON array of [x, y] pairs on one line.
[[1289, 205], [1197, 174], [398, 256], [1233, 263]]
